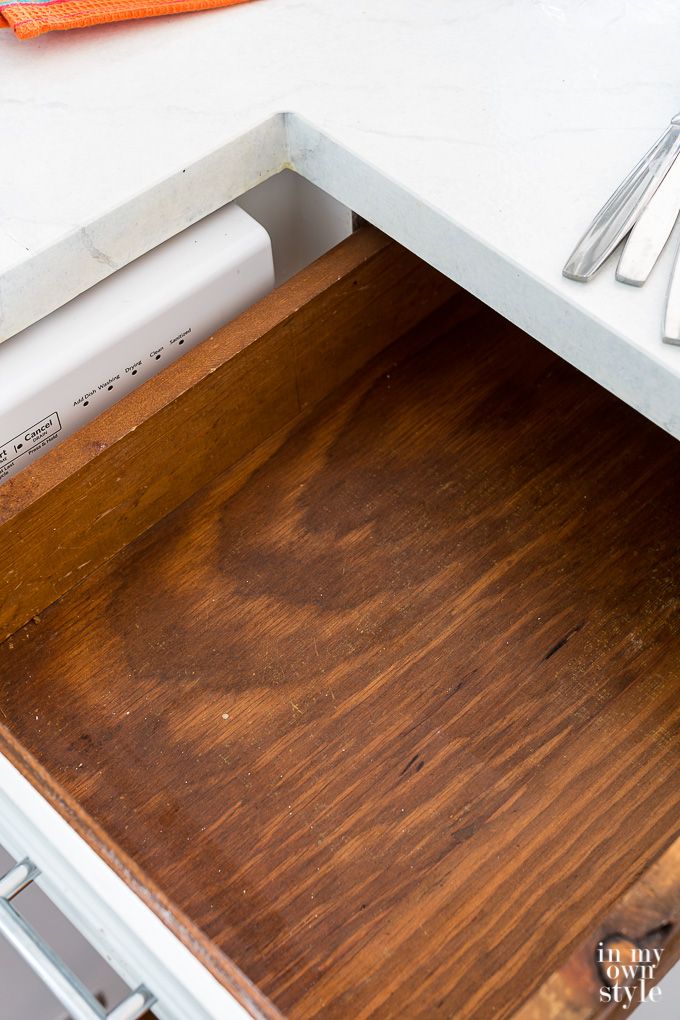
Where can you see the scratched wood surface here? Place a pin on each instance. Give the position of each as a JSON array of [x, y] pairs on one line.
[[643, 924], [396, 723]]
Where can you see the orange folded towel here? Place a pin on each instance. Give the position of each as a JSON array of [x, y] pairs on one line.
[[29, 18]]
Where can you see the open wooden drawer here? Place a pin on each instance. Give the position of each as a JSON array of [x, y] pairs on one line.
[[350, 642]]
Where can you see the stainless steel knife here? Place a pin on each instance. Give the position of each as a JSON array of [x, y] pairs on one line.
[[620, 212], [652, 229]]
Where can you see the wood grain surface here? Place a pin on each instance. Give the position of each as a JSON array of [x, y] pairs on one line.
[[63, 516], [397, 723], [647, 918]]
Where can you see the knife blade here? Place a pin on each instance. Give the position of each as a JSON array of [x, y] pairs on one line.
[[671, 322]]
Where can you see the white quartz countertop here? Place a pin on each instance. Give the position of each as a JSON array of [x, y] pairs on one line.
[[482, 134]]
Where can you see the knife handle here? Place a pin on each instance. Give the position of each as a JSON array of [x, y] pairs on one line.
[[616, 218], [652, 229], [671, 322]]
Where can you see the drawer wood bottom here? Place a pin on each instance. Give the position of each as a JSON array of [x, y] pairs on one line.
[[389, 711]]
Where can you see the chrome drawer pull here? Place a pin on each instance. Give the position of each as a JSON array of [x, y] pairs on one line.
[[61, 981]]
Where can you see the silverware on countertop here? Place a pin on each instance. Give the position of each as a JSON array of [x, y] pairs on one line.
[[645, 207]]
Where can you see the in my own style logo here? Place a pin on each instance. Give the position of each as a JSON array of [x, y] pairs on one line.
[[628, 972]]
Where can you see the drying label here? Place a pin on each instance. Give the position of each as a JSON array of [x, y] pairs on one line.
[[30, 439]]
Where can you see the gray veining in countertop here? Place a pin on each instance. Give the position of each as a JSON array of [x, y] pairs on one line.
[[483, 134]]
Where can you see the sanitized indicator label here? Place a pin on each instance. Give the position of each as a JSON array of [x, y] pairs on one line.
[[29, 439]]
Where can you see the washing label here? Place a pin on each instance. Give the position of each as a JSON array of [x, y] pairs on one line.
[[30, 439]]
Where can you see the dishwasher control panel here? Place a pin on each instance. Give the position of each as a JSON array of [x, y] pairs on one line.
[[58, 374]]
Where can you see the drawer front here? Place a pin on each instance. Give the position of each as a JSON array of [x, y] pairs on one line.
[[128, 935]]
